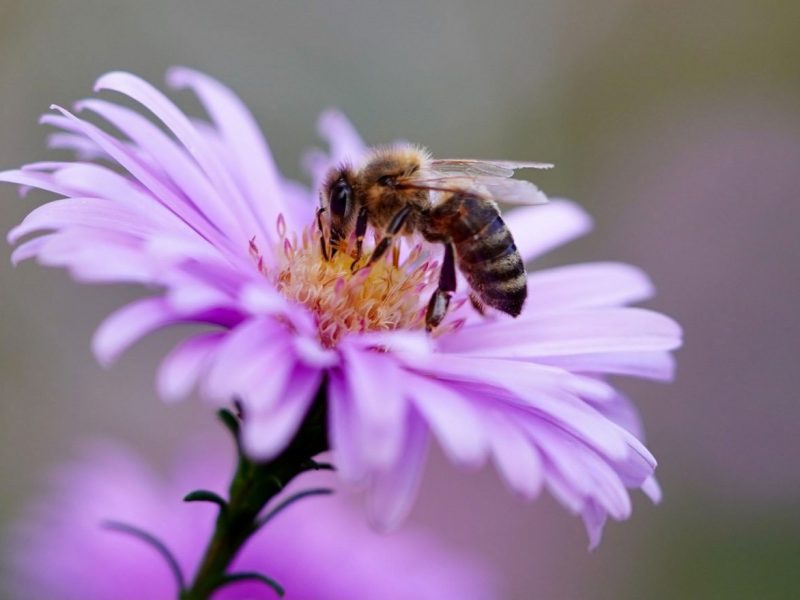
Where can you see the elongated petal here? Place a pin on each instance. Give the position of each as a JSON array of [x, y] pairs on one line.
[[127, 325], [240, 134], [254, 349], [162, 192], [659, 365], [539, 229], [375, 385], [454, 421], [346, 144], [576, 332], [266, 433], [585, 286], [594, 518], [516, 456], [41, 181], [83, 148], [176, 163], [195, 144], [181, 370], [583, 470], [83, 212], [343, 430], [533, 388], [394, 490]]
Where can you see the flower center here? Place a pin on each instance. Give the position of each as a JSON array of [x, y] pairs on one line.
[[384, 296]]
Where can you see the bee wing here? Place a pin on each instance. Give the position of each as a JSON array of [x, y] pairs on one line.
[[494, 168], [499, 188]]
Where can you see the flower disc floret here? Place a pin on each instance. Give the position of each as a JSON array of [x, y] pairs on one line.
[[344, 296]]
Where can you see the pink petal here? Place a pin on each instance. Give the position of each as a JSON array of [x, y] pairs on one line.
[[91, 257], [393, 491], [583, 469], [346, 144], [622, 411], [253, 349], [242, 137], [66, 124], [342, 430], [87, 179], [516, 457], [182, 368], [266, 433], [594, 519], [376, 388], [585, 286], [416, 342], [659, 366], [128, 324], [84, 212], [299, 202], [313, 354], [40, 181], [454, 421], [141, 171], [175, 163], [177, 122], [576, 332], [29, 249], [83, 148], [652, 489], [520, 387], [539, 229]]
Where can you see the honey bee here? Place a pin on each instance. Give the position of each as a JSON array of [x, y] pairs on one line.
[[401, 190]]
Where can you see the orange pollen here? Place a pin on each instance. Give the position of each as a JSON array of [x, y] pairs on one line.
[[387, 295]]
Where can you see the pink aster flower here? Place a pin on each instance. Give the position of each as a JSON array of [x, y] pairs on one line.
[[316, 548], [198, 212]]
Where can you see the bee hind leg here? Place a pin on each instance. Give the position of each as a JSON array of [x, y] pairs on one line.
[[440, 300]]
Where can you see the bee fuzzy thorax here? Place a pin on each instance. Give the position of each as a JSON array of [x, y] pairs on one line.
[[397, 159]]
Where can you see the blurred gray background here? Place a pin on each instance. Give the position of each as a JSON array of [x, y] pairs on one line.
[[675, 124]]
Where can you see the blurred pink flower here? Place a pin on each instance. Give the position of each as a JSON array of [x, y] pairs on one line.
[[316, 548], [201, 212]]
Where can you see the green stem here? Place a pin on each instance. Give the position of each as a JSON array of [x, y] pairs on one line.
[[252, 487]]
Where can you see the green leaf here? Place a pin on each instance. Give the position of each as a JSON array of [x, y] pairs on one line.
[[153, 542], [311, 464], [236, 577], [206, 496], [289, 501], [230, 421]]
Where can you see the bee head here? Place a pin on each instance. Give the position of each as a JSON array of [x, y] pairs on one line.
[[337, 198]]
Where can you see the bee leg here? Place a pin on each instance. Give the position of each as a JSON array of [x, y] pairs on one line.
[[361, 229], [323, 243], [440, 300], [477, 303], [395, 225]]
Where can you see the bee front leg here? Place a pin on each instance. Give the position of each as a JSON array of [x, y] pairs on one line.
[[395, 225], [361, 229], [440, 300], [323, 242]]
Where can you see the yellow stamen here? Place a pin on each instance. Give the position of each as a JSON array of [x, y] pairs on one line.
[[388, 295]]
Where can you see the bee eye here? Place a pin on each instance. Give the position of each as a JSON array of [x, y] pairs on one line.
[[386, 181], [340, 198]]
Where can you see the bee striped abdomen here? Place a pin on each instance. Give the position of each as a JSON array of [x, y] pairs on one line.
[[486, 252]]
